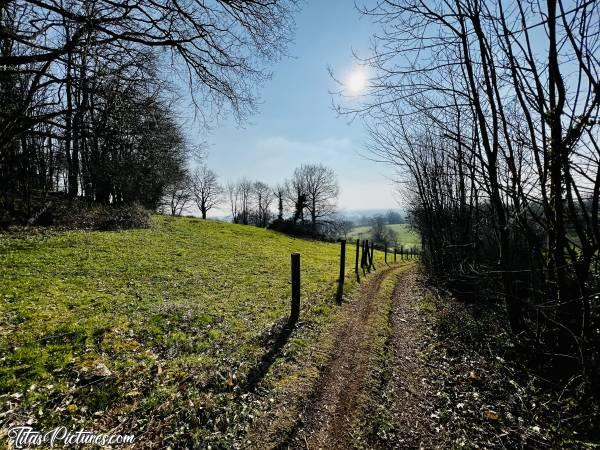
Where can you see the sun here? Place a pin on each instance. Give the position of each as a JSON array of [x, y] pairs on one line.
[[357, 82]]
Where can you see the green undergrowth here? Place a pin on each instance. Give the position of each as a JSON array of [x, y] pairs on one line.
[[166, 332], [486, 394]]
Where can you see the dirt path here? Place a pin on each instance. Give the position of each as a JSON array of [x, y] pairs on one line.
[[345, 390], [342, 394], [326, 417], [410, 378]]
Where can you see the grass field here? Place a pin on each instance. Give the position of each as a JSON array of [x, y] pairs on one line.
[[406, 235], [156, 331]]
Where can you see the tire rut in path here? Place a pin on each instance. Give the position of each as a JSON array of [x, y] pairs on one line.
[[327, 417], [411, 378]]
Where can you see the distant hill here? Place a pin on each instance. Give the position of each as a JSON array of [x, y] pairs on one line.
[[369, 212], [406, 235]]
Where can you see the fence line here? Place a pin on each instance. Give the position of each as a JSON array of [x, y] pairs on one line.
[[367, 261]]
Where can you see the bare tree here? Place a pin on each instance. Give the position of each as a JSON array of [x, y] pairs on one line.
[[263, 195], [496, 142], [342, 226], [245, 188], [321, 189], [233, 197], [206, 189], [314, 188], [67, 68], [179, 194], [279, 193], [240, 200], [295, 196], [199, 36]]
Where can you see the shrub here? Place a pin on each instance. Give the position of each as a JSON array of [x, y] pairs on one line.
[[76, 214], [291, 228]]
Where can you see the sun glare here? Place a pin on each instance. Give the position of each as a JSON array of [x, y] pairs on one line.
[[357, 82]]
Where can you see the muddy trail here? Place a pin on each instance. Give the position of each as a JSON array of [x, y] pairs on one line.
[[374, 375]]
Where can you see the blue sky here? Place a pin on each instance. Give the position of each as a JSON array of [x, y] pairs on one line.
[[296, 123]]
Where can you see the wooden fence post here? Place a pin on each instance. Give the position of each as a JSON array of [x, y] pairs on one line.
[[395, 253], [362, 256], [295, 315], [402, 252], [340, 292], [385, 252], [373, 255], [366, 255], [356, 261]]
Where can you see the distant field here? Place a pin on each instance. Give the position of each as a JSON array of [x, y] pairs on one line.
[[406, 236], [155, 331]]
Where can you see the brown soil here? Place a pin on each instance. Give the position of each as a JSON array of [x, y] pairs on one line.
[[411, 377], [327, 417], [343, 387], [429, 379]]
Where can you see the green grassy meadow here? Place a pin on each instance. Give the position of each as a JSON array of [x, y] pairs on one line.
[[155, 331], [406, 235]]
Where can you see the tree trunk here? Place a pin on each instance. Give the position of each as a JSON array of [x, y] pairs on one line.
[[313, 217]]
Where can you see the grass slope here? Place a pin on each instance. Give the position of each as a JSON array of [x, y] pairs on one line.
[[406, 235], [153, 331]]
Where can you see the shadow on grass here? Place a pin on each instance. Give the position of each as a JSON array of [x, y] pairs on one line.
[[276, 339]]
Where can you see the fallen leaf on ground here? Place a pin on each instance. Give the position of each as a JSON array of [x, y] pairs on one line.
[[489, 414]]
